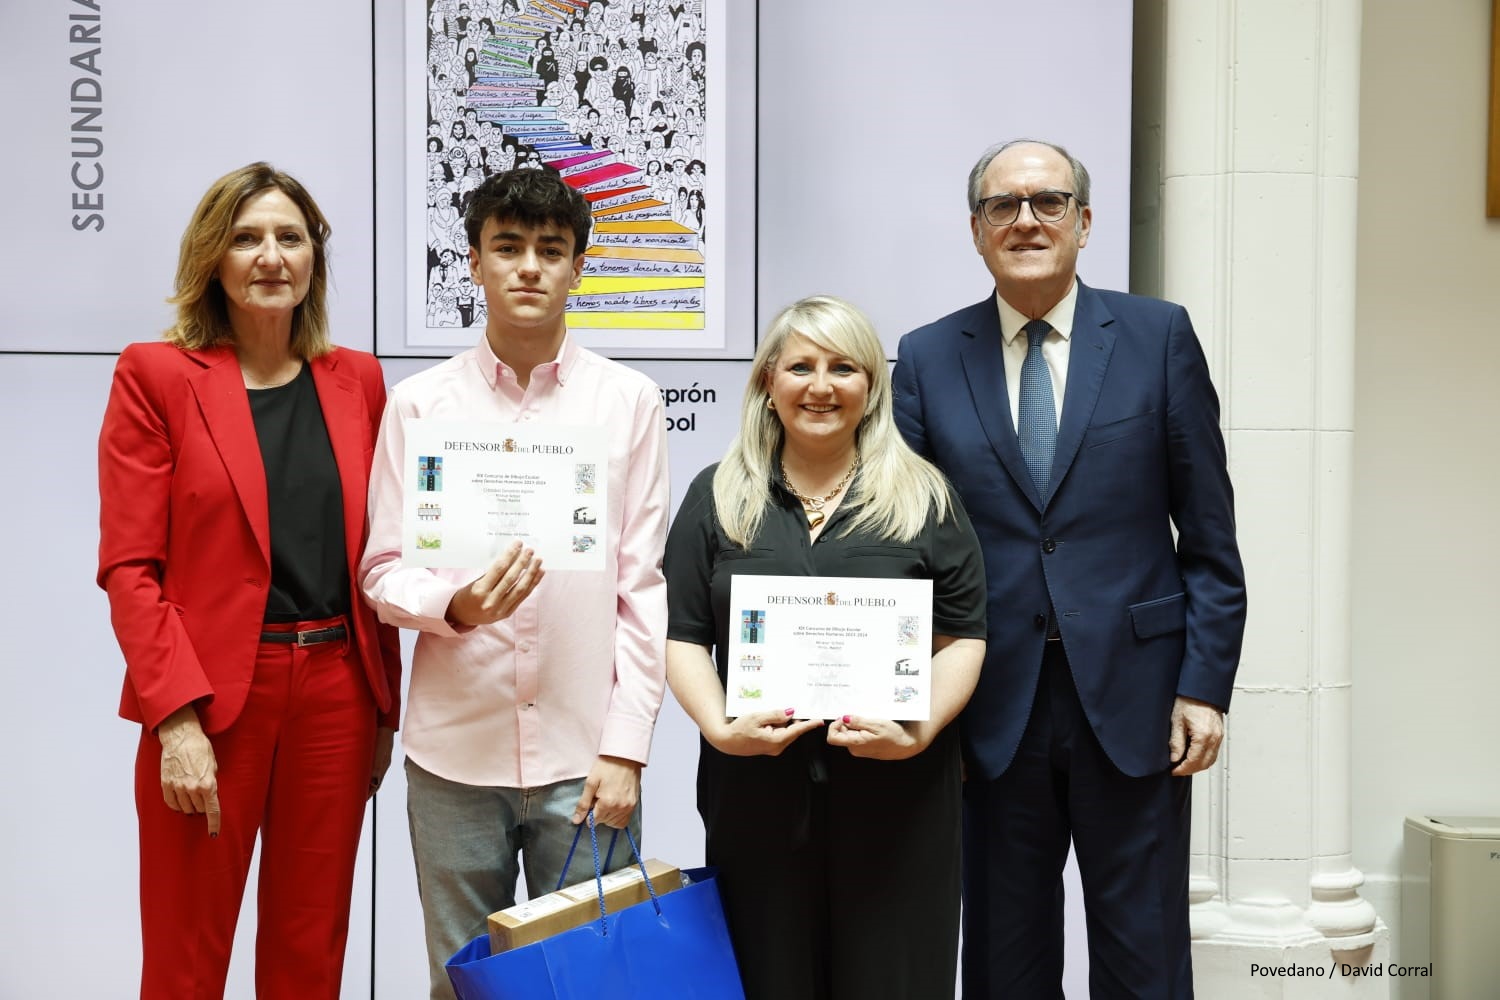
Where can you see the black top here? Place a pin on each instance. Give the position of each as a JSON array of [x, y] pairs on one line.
[[764, 809], [700, 559], [309, 574]]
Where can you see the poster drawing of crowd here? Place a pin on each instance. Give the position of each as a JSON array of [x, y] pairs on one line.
[[611, 93]]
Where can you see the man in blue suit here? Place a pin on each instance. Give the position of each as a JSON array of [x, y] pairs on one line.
[[1080, 427]]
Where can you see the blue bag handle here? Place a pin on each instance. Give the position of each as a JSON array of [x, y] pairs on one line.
[[568, 861], [635, 852]]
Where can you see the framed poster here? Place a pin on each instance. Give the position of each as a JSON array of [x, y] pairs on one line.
[[634, 103]]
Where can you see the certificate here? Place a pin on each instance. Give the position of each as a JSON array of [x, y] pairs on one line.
[[471, 487], [829, 646]]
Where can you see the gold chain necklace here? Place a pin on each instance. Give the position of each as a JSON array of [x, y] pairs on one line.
[[813, 506], [254, 382]]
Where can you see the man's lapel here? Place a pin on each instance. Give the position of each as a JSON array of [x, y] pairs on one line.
[[1092, 343], [983, 359]]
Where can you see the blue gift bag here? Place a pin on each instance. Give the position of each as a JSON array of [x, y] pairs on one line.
[[674, 945]]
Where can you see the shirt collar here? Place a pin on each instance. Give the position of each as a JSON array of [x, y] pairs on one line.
[[1059, 317], [561, 367]]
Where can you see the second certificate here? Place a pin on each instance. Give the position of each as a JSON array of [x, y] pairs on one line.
[[827, 646], [473, 487]]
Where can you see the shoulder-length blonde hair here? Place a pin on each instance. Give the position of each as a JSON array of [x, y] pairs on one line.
[[202, 312], [896, 489]]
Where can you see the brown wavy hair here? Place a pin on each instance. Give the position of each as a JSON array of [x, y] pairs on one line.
[[202, 312]]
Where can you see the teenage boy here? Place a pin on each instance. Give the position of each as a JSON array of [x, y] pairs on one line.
[[533, 697]]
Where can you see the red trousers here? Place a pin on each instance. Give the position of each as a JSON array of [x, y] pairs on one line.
[[295, 768]]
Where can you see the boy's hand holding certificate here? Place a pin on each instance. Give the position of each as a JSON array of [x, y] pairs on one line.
[[473, 487], [830, 646]]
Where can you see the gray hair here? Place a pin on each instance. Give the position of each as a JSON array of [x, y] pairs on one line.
[[976, 176]]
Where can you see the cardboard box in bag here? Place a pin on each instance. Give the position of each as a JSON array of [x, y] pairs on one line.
[[576, 905]]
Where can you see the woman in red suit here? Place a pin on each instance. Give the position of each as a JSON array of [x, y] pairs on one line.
[[233, 465]]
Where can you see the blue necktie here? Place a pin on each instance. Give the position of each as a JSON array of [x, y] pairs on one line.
[[1038, 414]]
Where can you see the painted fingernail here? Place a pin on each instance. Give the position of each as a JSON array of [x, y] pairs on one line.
[[213, 836], [790, 711], [846, 720]]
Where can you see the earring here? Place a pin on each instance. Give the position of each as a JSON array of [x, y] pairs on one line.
[[770, 403]]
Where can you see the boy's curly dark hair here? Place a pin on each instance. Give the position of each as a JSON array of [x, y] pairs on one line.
[[529, 197]]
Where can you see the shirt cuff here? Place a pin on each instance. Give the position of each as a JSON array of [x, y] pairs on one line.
[[627, 738]]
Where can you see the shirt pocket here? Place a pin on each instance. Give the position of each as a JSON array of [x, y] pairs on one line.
[[738, 560], [895, 561], [1159, 617]]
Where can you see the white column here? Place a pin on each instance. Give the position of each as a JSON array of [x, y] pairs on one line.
[[1256, 106]]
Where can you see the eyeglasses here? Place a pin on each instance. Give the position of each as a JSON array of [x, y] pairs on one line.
[[1004, 209]]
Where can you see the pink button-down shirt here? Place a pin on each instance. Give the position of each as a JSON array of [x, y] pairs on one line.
[[578, 670]]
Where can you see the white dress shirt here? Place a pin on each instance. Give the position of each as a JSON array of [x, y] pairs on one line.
[[1054, 349]]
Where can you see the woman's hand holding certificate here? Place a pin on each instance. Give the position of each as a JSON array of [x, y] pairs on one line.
[[877, 739], [754, 734]]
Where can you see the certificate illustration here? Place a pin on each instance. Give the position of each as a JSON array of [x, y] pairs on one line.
[[472, 487], [829, 646]]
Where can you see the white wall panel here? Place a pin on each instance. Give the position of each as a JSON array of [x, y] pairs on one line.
[[187, 92], [1425, 536], [872, 114], [68, 841]]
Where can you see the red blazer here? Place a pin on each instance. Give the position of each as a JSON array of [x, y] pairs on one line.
[[184, 529]]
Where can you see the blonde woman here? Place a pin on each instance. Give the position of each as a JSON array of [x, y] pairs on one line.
[[837, 840]]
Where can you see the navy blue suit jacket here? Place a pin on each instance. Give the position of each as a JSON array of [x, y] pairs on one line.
[[1143, 617]]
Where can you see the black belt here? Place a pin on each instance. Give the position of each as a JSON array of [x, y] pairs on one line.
[[308, 637]]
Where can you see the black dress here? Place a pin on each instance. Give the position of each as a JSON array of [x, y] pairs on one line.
[[840, 875]]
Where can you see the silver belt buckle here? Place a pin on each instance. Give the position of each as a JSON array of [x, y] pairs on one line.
[[302, 639]]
